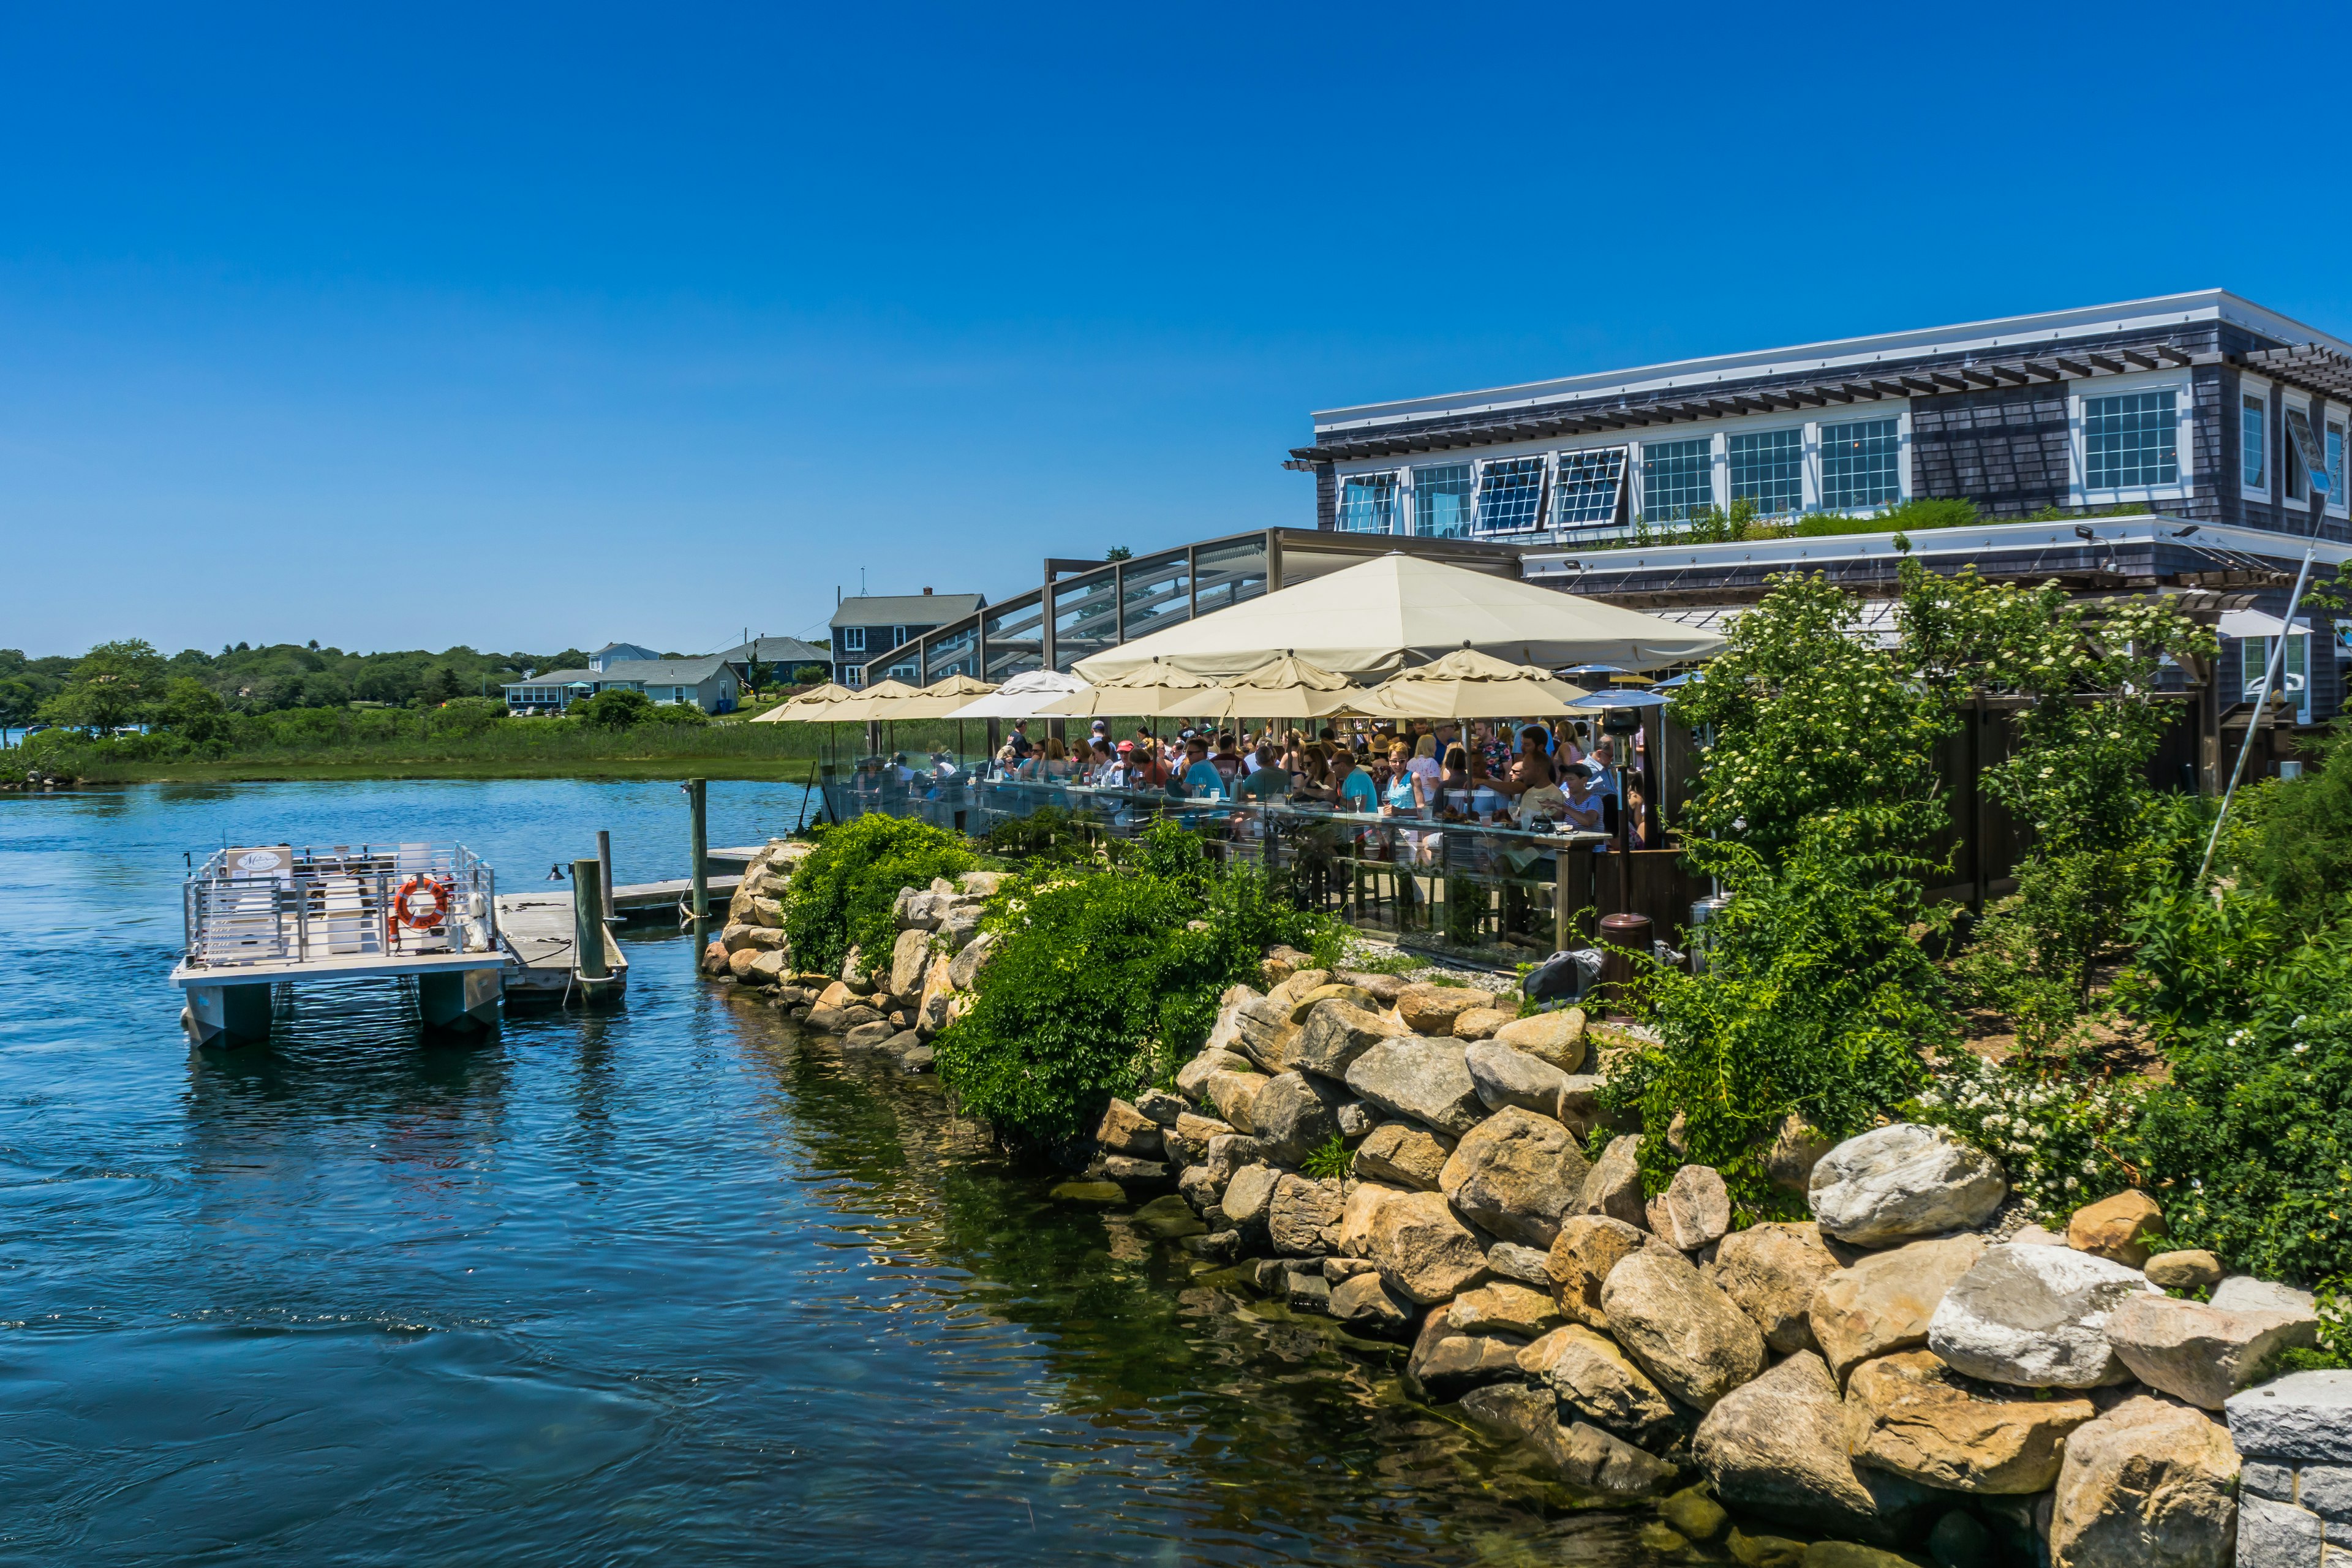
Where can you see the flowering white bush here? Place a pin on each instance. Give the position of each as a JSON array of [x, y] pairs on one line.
[[2057, 1138]]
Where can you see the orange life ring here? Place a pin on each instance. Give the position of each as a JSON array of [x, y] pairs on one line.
[[422, 903]]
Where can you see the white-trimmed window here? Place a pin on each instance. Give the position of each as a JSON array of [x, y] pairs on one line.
[[2332, 438], [853, 639], [1584, 493], [1510, 495], [1367, 503], [2131, 440], [1862, 465], [2294, 671], [898, 636], [1677, 478], [854, 676], [1768, 467], [2254, 443], [1440, 501]]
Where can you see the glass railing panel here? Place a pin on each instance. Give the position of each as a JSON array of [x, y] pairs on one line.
[[1159, 593], [1086, 618], [1230, 574]]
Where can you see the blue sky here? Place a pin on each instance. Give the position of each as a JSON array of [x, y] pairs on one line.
[[550, 325]]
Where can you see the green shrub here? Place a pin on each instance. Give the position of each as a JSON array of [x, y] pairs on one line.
[[841, 896], [618, 709], [1817, 1001], [2250, 1142], [1106, 978], [2299, 850]]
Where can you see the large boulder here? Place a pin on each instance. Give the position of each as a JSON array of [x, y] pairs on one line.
[[2304, 1417], [1403, 1152], [1587, 1373], [1301, 1212], [1365, 1303], [2035, 1317], [1885, 1301], [1517, 1175], [1356, 996], [1385, 988], [1422, 1250], [1425, 1079], [2198, 1352], [2149, 1484], [1192, 1078], [1777, 1447], [1124, 1130], [1365, 1200], [963, 968], [1554, 1037], [1693, 1211], [1770, 1271], [1248, 1196], [1233, 1093], [1479, 1023], [1503, 1306], [1267, 1035], [1337, 1032], [910, 960], [1228, 1152], [1894, 1183], [2188, 1268], [1589, 1458], [1797, 1149], [1293, 1112], [939, 990], [1907, 1415], [1614, 1185], [1448, 1364], [1582, 1255], [2244, 1293], [1503, 1077], [2118, 1228], [1432, 1009], [1687, 1336]]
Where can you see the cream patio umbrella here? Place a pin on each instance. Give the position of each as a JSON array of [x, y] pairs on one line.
[[884, 699], [1144, 692], [811, 706], [1027, 695], [1287, 688], [1376, 617], [940, 699], [1467, 684]]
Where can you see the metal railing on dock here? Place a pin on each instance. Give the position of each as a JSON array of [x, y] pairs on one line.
[[277, 904]]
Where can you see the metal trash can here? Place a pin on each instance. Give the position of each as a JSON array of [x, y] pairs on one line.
[[1702, 916]]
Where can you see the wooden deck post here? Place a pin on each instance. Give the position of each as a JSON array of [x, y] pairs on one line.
[[698, 904], [604, 867], [588, 921]]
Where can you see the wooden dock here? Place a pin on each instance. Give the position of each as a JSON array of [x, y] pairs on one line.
[[537, 934], [654, 900]]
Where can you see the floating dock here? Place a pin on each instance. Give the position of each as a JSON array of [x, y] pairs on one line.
[[265, 915], [540, 933]]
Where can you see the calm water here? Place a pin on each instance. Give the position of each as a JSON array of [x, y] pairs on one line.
[[665, 1284]]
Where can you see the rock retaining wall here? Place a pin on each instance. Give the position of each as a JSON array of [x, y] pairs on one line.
[[893, 1002], [2295, 1499], [1909, 1367]]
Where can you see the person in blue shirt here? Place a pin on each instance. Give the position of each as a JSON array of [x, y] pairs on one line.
[[1199, 775], [1357, 792]]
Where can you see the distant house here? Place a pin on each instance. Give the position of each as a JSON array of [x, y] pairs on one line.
[[708, 683], [781, 655], [867, 627], [613, 651]]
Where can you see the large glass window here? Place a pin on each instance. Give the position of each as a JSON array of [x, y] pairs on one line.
[[1510, 494], [2254, 444], [1367, 503], [853, 639], [1440, 501], [2130, 440], [2335, 464], [1768, 467], [1677, 478], [1585, 492], [2294, 676], [1861, 463]]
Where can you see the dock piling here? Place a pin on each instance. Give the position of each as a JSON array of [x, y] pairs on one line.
[[588, 919], [698, 905], [604, 867]]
